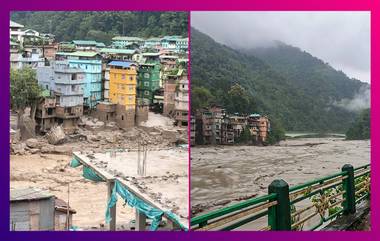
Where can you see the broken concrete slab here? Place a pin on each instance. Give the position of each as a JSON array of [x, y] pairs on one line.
[[56, 135]]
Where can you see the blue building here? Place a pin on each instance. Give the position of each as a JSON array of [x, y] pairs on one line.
[[65, 82], [175, 43], [91, 64]]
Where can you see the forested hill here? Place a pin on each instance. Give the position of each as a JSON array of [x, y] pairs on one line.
[[102, 26], [313, 76], [217, 70]]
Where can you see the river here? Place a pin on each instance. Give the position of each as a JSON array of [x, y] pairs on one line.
[[221, 175]]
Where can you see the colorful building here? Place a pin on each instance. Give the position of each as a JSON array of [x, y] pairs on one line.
[[91, 64], [124, 41], [148, 82], [65, 83], [175, 43], [123, 82]]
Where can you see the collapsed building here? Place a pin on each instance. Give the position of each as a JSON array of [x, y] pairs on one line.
[[213, 126]]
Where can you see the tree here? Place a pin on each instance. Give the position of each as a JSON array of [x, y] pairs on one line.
[[360, 129], [238, 100], [200, 98], [24, 92], [276, 133], [245, 136]]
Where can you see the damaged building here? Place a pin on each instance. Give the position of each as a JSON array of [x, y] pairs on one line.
[[213, 126], [64, 104]]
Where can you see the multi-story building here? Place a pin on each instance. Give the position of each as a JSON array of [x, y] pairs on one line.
[[148, 81], [16, 32], [238, 123], [217, 115], [91, 64], [170, 84], [87, 45], [124, 41], [227, 131], [181, 106], [259, 127], [31, 57], [152, 43], [123, 82], [175, 43], [65, 83], [45, 112], [117, 54], [193, 130]]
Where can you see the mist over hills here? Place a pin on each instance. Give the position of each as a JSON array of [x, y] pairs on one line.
[[301, 91]]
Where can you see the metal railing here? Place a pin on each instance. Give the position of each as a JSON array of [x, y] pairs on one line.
[[303, 207]]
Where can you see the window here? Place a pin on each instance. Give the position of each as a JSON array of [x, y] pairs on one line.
[[122, 117], [131, 78], [122, 87], [123, 76], [146, 83], [146, 75], [47, 87], [73, 88], [131, 88], [130, 98], [146, 92], [73, 76]]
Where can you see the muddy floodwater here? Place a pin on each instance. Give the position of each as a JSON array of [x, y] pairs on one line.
[[221, 175]]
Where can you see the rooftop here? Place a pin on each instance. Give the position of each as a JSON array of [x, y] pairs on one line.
[[78, 53], [126, 38], [15, 25], [28, 194], [85, 42], [117, 51], [124, 64]]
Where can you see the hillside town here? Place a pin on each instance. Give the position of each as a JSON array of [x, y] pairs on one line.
[[213, 126], [128, 98]]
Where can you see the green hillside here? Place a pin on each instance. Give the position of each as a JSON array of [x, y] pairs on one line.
[[102, 26], [216, 68]]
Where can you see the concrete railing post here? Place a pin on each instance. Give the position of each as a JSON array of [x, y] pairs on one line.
[[349, 186], [279, 215], [110, 186]]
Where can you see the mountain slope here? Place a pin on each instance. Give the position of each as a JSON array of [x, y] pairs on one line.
[[102, 26], [216, 67]]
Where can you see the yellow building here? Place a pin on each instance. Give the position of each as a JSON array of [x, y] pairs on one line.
[[123, 81]]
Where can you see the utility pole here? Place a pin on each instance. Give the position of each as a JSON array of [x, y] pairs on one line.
[[68, 207]]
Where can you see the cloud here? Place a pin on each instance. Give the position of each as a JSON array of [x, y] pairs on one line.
[[360, 101], [339, 38]]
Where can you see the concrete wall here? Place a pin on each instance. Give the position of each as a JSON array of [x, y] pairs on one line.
[[141, 114]]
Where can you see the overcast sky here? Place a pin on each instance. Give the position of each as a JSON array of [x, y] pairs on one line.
[[340, 38]]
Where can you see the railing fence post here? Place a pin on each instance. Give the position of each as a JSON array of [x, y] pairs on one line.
[[349, 204], [279, 215]]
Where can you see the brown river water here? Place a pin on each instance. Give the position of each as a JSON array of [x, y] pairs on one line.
[[222, 175]]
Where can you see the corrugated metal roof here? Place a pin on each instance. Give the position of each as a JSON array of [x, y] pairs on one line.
[[15, 25], [29, 194], [78, 53], [84, 42], [117, 51], [124, 64], [126, 38], [151, 54]]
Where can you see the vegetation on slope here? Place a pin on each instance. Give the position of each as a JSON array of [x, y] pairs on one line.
[[270, 90], [102, 26]]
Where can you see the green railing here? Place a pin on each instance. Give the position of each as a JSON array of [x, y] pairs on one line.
[[303, 207]]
